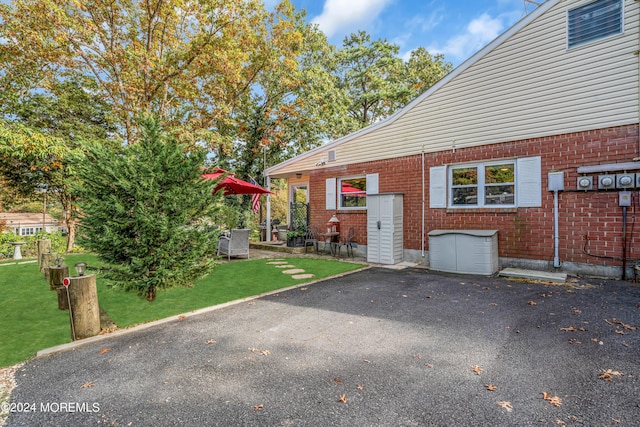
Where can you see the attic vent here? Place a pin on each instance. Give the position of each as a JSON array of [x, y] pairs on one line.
[[594, 21], [332, 155]]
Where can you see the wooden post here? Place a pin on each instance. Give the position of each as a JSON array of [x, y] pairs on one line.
[[44, 247], [85, 312], [46, 261], [56, 274]]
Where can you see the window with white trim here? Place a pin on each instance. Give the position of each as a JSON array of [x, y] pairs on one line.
[[495, 183], [482, 185], [352, 193], [594, 21], [29, 231]]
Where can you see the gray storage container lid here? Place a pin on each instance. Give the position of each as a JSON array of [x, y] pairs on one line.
[[477, 233]]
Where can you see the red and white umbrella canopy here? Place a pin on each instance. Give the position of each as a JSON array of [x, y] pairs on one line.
[[233, 185]]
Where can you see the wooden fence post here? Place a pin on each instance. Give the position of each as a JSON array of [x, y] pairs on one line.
[[45, 262], [44, 247], [85, 311], [56, 274]]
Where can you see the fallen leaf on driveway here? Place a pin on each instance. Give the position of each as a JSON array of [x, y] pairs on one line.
[[505, 405], [87, 384], [338, 379], [554, 400], [360, 387], [343, 399], [532, 303], [477, 369], [608, 375], [259, 407], [573, 329], [211, 341], [615, 321], [104, 350], [490, 387]]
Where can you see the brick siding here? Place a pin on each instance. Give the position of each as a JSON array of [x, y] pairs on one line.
[[592, 219]]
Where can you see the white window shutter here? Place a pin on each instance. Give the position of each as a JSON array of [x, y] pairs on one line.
[[529, 182], [330, 194], [372, 183], [438, 187]]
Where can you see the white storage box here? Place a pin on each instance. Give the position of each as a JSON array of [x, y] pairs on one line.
[[464, 251]]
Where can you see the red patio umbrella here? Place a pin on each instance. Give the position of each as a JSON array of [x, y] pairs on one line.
[[233, 185]]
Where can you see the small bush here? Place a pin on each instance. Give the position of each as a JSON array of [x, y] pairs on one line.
[[30, 248]]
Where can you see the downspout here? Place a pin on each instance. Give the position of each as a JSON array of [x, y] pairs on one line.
[[422, 235], [624, 243], [556, 232]]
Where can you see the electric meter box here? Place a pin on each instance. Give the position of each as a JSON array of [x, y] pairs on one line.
[[556, 181], [624, 198]]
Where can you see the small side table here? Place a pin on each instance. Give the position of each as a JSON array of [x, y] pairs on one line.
[[17, 254]]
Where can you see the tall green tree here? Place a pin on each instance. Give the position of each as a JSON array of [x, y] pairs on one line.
[[424, 70], [187, 62], [294, 104], [378, 82], [372, 74], [47, 133], [32, 161], [145, 210]]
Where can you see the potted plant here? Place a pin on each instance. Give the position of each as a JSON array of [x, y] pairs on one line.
[[295, 238]]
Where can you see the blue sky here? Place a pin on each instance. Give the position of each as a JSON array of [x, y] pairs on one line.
[[456, 28]]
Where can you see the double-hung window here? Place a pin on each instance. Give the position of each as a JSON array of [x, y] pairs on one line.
[[487, 184], [353, 192], [350, 192]]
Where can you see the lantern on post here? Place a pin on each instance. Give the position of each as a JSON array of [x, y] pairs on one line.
[[333, 225]]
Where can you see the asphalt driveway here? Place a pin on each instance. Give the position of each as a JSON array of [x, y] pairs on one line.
[[378, 347]]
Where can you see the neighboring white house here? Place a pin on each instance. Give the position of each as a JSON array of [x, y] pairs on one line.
[[28, 224]]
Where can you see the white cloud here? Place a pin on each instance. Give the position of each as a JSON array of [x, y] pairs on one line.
[[477, 34], [348, 16]]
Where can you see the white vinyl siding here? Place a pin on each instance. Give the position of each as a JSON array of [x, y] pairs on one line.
[[524, 85]]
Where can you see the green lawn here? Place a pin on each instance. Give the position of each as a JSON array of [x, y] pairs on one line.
[[31, 321]]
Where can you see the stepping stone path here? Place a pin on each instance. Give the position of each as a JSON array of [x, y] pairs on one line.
[[296, 273]]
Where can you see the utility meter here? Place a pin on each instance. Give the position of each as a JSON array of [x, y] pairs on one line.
[[625, 180], [606, 182], [585, 183]]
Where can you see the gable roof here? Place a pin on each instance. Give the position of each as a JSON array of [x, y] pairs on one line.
[[541, 9], [14, 219]]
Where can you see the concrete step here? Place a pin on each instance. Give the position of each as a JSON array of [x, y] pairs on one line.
[[521, 273]]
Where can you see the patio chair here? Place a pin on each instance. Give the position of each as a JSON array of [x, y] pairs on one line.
[[348, 243], [236, 243], [311, 238]]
